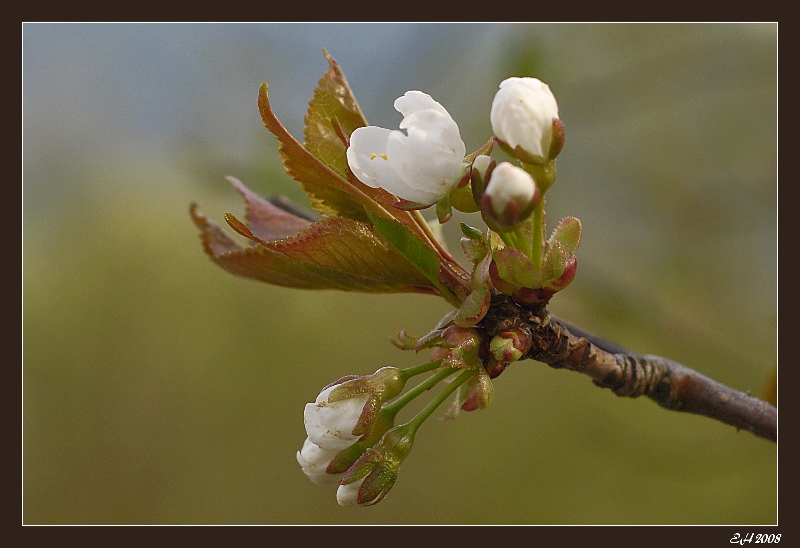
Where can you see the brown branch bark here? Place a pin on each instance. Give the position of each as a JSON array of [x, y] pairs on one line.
[[668, 383]]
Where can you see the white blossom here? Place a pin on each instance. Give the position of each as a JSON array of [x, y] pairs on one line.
[[314, 460], [330, 425], [421, 164], [522, 115]]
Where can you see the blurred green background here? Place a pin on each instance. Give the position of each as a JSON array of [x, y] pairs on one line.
[[160, 389]]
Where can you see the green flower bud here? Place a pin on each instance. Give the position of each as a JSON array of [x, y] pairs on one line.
[[510, 346]]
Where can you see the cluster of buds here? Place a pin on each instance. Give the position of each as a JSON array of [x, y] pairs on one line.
[[424, 163], [368, 183], [352, 438]]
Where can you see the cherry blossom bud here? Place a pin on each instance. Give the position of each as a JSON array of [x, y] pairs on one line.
[[525, 119], [464, 347], [510, 345], [477, 392], [482, 168], [510, 197], [372, 476], [347, 409], [421, 164], [347, 495]]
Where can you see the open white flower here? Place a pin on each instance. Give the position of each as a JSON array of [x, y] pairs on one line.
[[421, 164], [314, 461], [330, 424], [522, 115]]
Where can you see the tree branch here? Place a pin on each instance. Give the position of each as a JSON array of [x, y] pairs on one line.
[[670, 384]]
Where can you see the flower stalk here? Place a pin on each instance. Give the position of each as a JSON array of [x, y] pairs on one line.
[[426, 412]]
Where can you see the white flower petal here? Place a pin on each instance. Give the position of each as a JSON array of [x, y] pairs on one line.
[[366, 156], [314, 460], [429, 157], [422, 164], [330, 425], [415, 101]]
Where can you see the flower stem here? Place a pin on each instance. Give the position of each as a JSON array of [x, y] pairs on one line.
[[419, 369], [443, 395], [537, 235], [394, 407], [508, 239]]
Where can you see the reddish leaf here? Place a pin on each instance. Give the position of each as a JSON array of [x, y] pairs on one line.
[[333, 253], [265, 220], [330, 193], [333, 104]]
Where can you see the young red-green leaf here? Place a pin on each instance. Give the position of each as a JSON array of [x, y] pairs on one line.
[[264, 220], [333, 100], [409, 246], [568, 234], [553, 264], [514, 267], [473, 243], [474, 307], [330, 193], [333, 253]]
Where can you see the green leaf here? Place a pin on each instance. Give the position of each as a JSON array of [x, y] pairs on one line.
[[443, 209], [473, 243], [472, 233], [514, 267], [553, 264], [333, 253], [409, 246], [568, 234], [333, 105]]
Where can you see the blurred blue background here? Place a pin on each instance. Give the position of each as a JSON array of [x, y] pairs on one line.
[[160, 389]]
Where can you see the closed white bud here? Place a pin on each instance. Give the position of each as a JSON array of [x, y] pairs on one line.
[[523, 114], [509, 197]]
